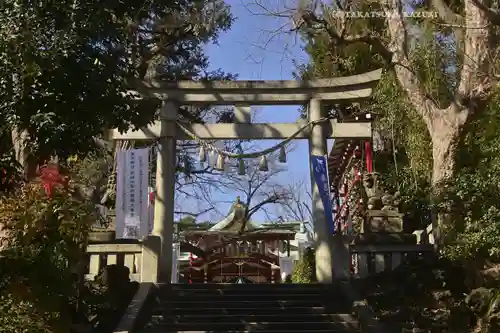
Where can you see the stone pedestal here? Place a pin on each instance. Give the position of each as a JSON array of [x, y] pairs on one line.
[[103, 236], [387, 221]]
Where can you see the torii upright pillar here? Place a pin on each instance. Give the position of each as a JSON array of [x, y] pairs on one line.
[[322, 237], [329, 253], [163, 226]]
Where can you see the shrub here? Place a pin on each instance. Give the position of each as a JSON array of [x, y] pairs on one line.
[[43, 238], [303, 271]]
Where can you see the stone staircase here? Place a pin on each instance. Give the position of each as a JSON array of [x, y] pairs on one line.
[[285, 308]]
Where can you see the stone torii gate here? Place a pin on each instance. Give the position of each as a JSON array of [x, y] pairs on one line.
[[332, 255]]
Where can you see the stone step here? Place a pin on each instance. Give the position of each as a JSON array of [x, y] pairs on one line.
[[256, 310], [228, 292], [218, 308], [228, 286], [245, 289], [256, 326], [249, 297], [282, 317], [154, 330], [242, 303]]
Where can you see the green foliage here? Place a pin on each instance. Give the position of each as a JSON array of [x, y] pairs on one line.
[[187, 220], [43, 239], [65, 67], [303, 271], [404, 147], [479, 241], [91, 169], [91, 173], [404, 157], [476, 191], [19, 316]]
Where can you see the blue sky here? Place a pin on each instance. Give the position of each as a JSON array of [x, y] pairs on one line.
[[243, 50]]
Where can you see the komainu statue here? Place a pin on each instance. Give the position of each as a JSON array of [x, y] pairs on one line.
[[390, 202], [382, 213], [373, 191]]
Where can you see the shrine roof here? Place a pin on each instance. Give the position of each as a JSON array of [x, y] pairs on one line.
[[230, 232], [291, 227], [249, 235], [283, 231]]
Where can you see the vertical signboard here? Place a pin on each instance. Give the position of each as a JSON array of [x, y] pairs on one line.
[[132, 194], [320, 174], [286, 266]]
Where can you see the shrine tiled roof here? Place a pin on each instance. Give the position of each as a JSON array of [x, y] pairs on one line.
[[278, 230], [204, 227], [249, 233]]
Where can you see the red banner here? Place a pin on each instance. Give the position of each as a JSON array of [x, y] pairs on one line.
[[368, 157]]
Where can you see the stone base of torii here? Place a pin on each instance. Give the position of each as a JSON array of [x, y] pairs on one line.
[[332, 252]]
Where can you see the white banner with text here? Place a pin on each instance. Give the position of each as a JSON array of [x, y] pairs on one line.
[[132, 215]]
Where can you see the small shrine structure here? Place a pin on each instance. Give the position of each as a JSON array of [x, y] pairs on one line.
[[238, 250]]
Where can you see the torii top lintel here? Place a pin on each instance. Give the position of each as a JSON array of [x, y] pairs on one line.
[[349, 88]]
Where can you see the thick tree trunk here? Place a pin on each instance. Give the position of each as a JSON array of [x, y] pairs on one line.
[[445, 129], [445, 138], [20, 139]]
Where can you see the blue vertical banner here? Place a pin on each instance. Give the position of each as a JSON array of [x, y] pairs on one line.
[[320, 173]]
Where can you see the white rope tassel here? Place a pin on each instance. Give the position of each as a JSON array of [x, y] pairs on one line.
[[241, 167], [263, 164], [220, 163], [202, 155], [255, 154], [282, 156], [211, 157]]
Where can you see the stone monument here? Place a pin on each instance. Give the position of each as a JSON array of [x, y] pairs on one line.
[[382, 214]]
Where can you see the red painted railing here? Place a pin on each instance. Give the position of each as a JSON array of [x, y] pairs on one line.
[[342, 216]]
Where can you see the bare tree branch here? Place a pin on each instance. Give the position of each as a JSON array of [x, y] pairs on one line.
[[312, 23], [275, 198], [193, 214], [298, 206], [492, 15], [475, 84], [424, 103], [446, 14], [475, 81]]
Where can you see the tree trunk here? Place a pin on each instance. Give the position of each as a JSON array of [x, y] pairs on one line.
[[20, 139], [445, 129], [445, 140]]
